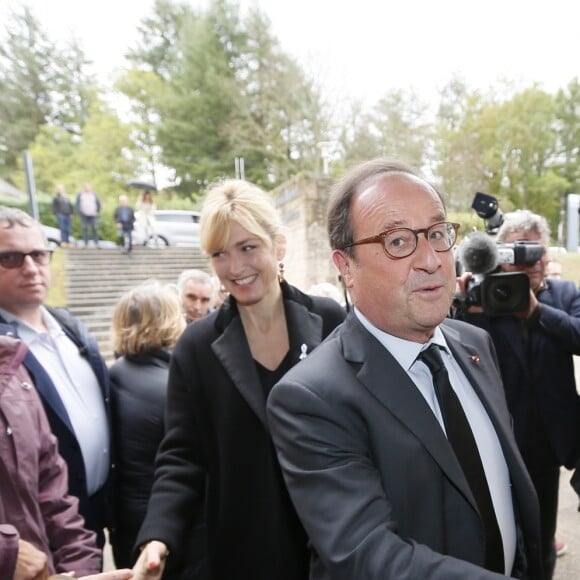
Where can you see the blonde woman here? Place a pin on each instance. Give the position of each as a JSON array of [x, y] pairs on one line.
[[147, 322], [217, 457], [146, 208]]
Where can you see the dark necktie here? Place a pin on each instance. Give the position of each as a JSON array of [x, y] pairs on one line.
[[462, 441]]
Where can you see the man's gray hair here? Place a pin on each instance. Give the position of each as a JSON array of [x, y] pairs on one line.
[[193, 274], [524, 220], [11, 216]]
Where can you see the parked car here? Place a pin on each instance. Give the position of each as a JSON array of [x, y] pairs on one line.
[[172, 227], [52, 235]]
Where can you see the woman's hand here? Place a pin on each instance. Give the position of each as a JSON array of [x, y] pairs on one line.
[[114, 575], [151, 561]]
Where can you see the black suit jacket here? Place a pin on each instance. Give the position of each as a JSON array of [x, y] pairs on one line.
[[217, 454], [370, 472], [538, 374]]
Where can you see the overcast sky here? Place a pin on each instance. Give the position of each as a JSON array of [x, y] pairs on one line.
[[363, 48]]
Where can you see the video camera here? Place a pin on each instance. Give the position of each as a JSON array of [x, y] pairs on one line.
[[497, 292]]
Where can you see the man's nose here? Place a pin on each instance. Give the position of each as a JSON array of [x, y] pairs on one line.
[[28, 264]]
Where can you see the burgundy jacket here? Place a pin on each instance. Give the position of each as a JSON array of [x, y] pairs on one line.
[[34, 504]]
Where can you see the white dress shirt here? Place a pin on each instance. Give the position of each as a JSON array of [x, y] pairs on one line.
[[78, 389], [492, 457]]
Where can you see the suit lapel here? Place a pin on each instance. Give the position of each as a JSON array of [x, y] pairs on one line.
[[46, 389], [388, 382], [42, 381], [233, 351], [304, 328]]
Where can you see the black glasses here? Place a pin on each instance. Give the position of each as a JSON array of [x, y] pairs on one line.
[[402, 242], [12, 260]]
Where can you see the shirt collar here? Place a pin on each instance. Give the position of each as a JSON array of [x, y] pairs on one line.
[[404, 351], [29, 333]]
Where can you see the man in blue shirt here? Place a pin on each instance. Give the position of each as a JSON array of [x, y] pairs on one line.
[[63, 360]]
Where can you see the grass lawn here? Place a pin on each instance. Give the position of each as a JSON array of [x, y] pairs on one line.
[[570, 266], [57, 293]]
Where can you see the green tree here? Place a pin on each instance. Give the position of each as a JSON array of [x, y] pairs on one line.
[[520, 140], [458, 155], [102, 157], [279, 118], [26, 79], [74, 88], [145, 90], [225, 89], [401, 121], [157, 44], [53, 155], [197, 108], [146, 83], [40, 84], [568, 125], [509, 142], [357, 138], [398, 125]]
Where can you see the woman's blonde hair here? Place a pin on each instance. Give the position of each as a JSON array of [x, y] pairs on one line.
[[242, 202], [147, 317]]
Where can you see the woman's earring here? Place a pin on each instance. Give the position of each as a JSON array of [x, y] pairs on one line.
[[281, 272]]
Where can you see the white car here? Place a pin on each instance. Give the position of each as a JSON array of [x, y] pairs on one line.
[[53, 236], [172, 227]]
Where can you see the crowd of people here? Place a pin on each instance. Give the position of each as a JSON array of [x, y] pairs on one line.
[[87, 206], [248, 429]]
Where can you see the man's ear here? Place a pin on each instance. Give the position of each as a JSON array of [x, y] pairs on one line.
[[342, 262]]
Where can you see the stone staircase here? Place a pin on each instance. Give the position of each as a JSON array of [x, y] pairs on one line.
[[96, 278]]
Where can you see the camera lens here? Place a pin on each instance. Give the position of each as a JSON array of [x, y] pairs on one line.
[[502, 293]]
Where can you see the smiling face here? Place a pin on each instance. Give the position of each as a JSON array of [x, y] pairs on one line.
[[248, 266], [409, 297], [23, 289]]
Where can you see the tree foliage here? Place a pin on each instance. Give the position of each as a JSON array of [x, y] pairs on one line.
[[229, 91], [206, 86], [40, 84], [25, 83]]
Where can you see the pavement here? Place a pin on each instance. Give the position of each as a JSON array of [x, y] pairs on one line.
[[568, 530]]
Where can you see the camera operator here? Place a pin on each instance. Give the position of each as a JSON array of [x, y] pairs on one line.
[[535, 351]]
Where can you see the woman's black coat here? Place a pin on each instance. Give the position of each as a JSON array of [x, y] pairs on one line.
[[217, 454], [138, 394]]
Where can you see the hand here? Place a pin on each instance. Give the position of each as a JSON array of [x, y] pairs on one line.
[[461, 290], [151, 561], [31, 563], [124, 574], [533, 305]]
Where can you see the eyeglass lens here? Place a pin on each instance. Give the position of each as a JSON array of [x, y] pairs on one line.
[[11, 260], [402, 242]]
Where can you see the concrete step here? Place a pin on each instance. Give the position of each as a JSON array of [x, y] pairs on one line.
[[97, 278]]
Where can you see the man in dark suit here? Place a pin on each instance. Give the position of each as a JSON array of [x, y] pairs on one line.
[[363, 440], [63, 360], [535, 351]]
